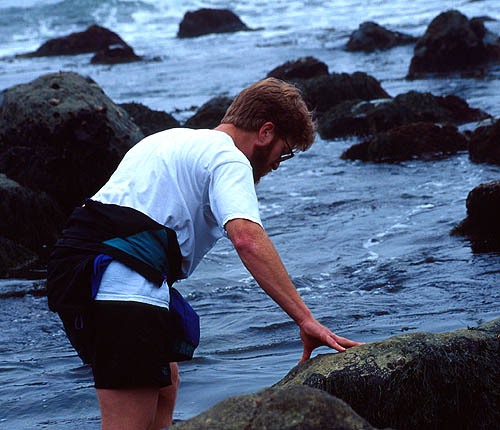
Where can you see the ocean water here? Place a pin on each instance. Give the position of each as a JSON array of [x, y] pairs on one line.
[[367, 245]]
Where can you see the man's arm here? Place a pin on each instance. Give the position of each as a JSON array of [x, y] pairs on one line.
[[260, 257]]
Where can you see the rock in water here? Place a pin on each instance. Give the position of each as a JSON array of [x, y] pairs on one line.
[[484, 145], [94, 38], [371, 36], [451, 43], [481, 225], [419, 140], [303, 68], [150, 121], [62, 135], [206, 21], [210, 114]]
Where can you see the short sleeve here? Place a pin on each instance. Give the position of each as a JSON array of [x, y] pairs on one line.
[[232, 193]]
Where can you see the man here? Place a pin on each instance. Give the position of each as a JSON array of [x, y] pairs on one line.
[[196, 185]]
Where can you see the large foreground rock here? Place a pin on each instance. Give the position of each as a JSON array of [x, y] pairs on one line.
[[95, 38], [481, 225], [364, 118], [484, 145], [297, 407], [371, 36], [210, 114], [415, 380], [420, 140], [451, 43], [62, 135], [206, 21]]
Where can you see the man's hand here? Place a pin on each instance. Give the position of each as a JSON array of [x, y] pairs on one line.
[[313, 334]]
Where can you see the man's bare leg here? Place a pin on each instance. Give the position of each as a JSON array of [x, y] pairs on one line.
[[139, 408], [166, 400]]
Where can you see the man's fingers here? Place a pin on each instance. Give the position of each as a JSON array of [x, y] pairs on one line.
[[305, 355]]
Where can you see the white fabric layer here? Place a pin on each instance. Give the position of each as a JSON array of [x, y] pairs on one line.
[[124, 284], [192, 181]]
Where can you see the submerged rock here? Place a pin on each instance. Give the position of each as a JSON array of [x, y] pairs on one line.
[[297, 408], [364, 118], [206, 21], [62, 135], [416, 380], [419, 140], [451, 43], [371, 36], [210, 114], [94, 38], [150, 121], [481, 225], [303, 68], [484, 144]]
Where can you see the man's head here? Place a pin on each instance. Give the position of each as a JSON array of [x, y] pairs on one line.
[[278, 102]]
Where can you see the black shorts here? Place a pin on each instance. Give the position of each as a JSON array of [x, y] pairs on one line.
[[127, 343]]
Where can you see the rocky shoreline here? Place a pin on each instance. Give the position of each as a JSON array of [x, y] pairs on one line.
[[410, 381], [61, 136]]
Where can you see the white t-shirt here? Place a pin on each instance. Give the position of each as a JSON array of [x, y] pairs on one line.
[[192, 181]]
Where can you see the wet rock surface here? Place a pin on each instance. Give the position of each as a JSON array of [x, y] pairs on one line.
[[115, 55], [481, 225], [324, 92], [210, 114], [484, 145], [150, 121], [303, 68], [452, 43], [415, 380], [371, 36], [419, 140], [94, 38], [354, 117], [297, 407], [206, 21], [62, 135]]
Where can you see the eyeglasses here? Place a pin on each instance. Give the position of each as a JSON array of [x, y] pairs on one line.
[[290, 154]]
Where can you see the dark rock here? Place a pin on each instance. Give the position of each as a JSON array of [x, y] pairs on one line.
[[61, 134], [371, 36], [365, 118], [94, 38], [481, 225], [484, 144], [150, 121], [415, 380], [454, 43], [324, 92], [422, 140], [30, 223], [115, 54], [206, 21], [15, 258], [297, 407], [30, 218], [303, 68], [210, 114]]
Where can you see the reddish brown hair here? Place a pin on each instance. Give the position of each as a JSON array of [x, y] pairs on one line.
[[275, 101]]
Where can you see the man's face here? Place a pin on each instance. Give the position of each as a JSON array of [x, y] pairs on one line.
[[267, 158]]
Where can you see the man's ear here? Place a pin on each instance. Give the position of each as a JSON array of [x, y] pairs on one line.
[[266, 134]]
